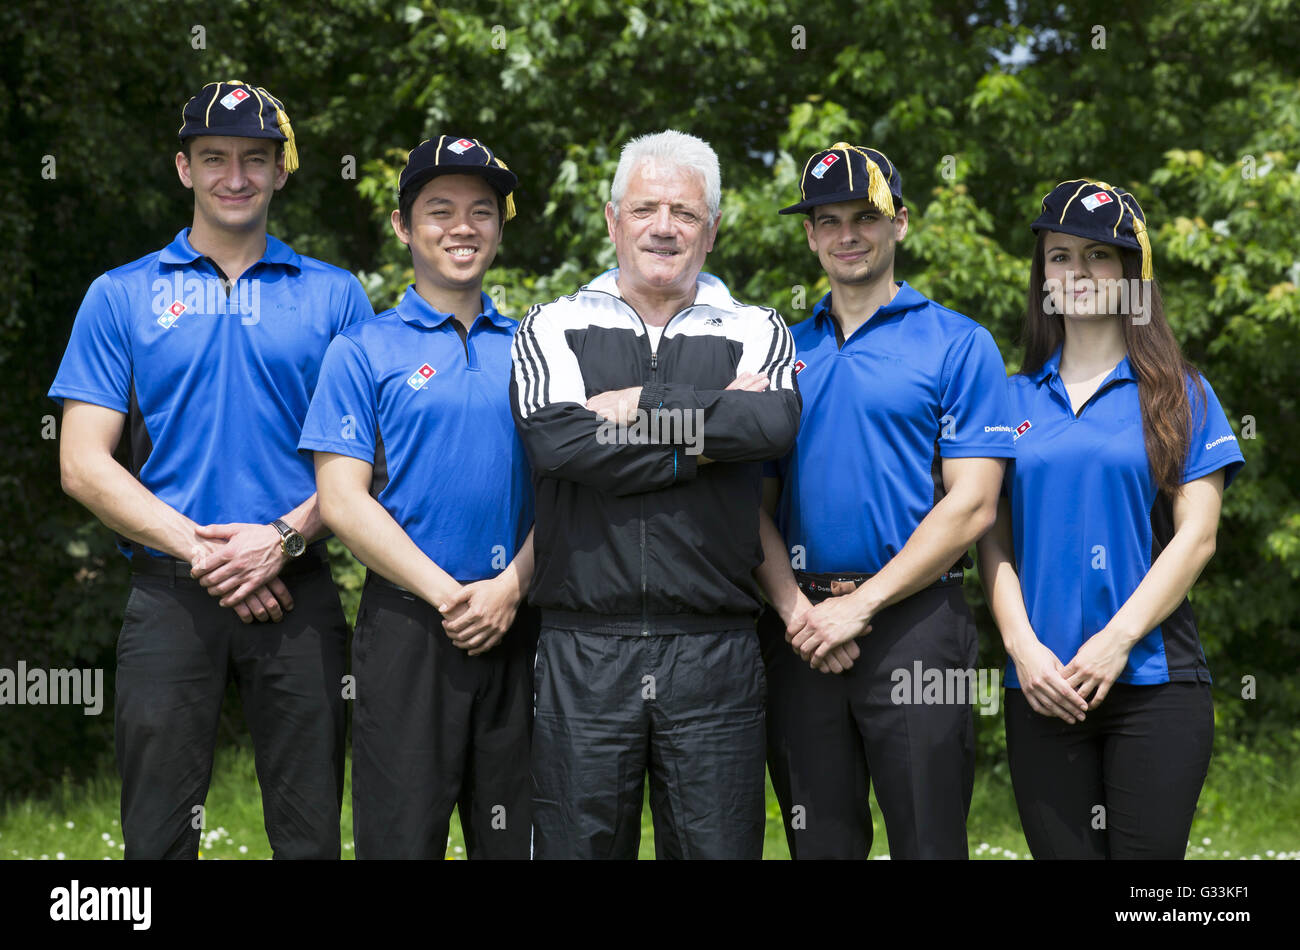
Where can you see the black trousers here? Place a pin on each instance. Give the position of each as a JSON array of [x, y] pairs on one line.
[[1121, 784], [686, 707], [433, 727], [176, 654], [829, 736]]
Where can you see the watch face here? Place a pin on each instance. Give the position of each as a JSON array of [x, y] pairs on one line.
[[294, 545]]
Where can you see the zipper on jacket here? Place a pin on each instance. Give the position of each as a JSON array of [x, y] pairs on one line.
[[654, 371], [645, 598]]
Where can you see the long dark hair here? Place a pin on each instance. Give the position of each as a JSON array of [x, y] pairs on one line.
[[1161, 369]]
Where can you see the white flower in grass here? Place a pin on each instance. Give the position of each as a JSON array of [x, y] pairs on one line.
[[45, 857], [61, 856], [104, 835], [69, 824], [243, 849], [111, 843], [1269, 853], [1205, 841]]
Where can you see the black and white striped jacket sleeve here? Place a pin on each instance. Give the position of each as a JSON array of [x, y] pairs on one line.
[[549, 400], [741, 426]]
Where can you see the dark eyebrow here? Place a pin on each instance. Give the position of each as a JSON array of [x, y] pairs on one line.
[[440, 200], [1086, 247]]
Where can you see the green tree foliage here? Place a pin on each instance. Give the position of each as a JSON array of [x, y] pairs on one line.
[[1193, 107]]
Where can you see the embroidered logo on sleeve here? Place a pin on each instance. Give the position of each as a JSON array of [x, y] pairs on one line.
[[1022, 428]]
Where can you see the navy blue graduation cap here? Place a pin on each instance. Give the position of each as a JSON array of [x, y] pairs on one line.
[[236, 108], [1097, 211], [847, 172], [453, 155]]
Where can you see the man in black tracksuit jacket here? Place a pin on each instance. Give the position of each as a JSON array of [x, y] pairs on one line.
[[646, 401]]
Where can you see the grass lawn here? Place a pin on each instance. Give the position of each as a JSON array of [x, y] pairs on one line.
[[1248, 809]]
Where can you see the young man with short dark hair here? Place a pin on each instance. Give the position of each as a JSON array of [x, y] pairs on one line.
[[205, 353], [421, 474]]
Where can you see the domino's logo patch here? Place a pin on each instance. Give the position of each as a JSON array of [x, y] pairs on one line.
[[1093, 202], [799, 366], [170, 315], [821, 168], [461, 146], [234, 98], [421, 376], [1022, 428]]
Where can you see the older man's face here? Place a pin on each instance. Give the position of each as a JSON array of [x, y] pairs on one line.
[[663, 231]]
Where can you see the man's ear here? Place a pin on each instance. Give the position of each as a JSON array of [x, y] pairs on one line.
[[609, 218], [900, 223], [183, 170], [808, 229], [281, 176], [395, 219], [713, 232]]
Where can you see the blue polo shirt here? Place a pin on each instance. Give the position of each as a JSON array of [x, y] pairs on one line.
[[215, 386], [915, 384], [1089, 521], [432, 415]]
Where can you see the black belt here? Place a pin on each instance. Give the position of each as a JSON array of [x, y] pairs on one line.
[[373, 579], [819, 585], [315, 558]]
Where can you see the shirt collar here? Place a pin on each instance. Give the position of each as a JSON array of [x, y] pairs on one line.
[[418, 312], [1052, 367], [907, 298], [180, 251], [709, 290]]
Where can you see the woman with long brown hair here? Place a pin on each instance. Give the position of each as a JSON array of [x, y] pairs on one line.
[[1111, 510]]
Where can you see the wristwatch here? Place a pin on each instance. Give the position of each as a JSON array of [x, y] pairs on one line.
[[291, 542]]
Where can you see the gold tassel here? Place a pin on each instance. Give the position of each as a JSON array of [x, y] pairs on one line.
[[878, 189], [510, 198], [1144, 242], [290, 146], [877, 185]]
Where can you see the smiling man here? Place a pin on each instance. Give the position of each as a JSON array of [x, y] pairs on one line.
[[646, 545], [422, 475], [205, 355], [894, 475]]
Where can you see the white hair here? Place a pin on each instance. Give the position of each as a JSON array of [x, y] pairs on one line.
[[670, 149]]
